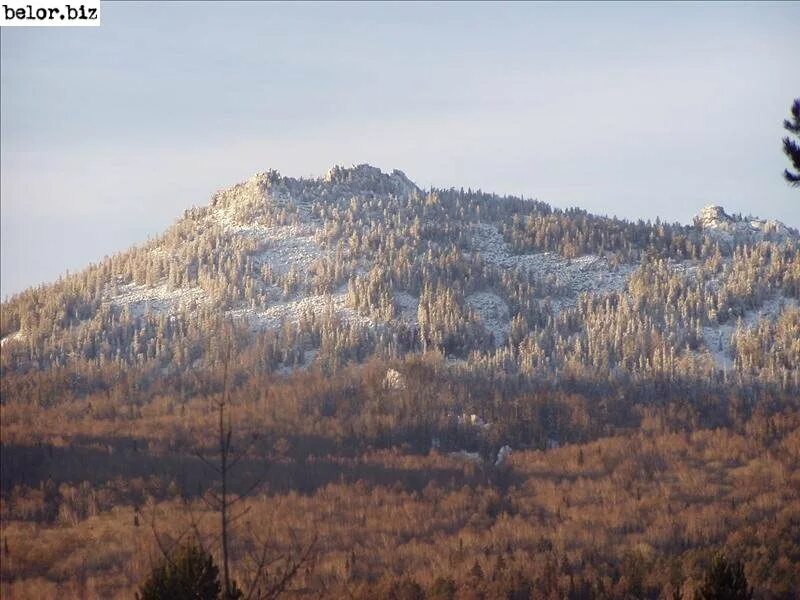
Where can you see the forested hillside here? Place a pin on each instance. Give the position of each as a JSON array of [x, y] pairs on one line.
[[453, 394], [361, 263]]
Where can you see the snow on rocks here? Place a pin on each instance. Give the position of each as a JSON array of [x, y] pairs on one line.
[[589, 273], [717, 223], [292, 311], [13, 337], [141, 299], [244, 208], [409, 307], [287, 246], [493, 313], [502, 455], [367, 177]]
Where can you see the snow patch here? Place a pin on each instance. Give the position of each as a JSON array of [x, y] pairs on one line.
[[140, 299], [714, 221], [292, 311], [493, 312], [287, 246], [368, 177], [502, 456], [13, 337], [472, 420], [464, 455], [409, 307], [718, 338], [589, 273]]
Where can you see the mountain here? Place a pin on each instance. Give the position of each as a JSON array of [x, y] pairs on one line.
[[363, 263], [428, 393]]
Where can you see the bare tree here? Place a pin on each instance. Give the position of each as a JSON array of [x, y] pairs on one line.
[[267, 574], [260, 585]]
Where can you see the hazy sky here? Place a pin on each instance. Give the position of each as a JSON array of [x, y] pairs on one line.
[[109, 133]]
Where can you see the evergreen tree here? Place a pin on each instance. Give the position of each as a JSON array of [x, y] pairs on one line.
[[442, 589], [724, 580], [189, 574], [790, 147]]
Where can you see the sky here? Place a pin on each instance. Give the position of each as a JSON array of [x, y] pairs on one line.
[[633, 110]]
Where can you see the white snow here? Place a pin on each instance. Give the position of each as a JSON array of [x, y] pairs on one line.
[[245, 213], [156, 299], [13, 337], [472, 420], [287, 246], [464, 455], [291, 311], [362, 175], [493, 313], [502, 455], [588, 273], [718, 342], [716, 222], [718, 338], [409, 307]]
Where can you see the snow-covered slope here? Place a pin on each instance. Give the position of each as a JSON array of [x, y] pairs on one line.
[[589, 273], [357, 246], [718, 338], [243, 214]]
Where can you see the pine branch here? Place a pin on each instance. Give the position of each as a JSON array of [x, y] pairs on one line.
[[787, 124], [792, 150], [791, 178]]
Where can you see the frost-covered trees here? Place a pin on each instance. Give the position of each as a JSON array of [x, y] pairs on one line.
[[400, 265]]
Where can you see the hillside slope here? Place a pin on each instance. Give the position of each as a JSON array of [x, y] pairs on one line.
[[361, 262]]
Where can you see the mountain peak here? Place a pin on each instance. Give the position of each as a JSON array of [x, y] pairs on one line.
[[249, 201], [712, 215], [713, 220], [366, 176]]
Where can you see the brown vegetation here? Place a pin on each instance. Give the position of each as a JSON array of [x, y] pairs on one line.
[[630, 500]]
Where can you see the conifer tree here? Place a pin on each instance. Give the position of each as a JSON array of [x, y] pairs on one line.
[[189, 574], [724, 580], [790, 147]]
